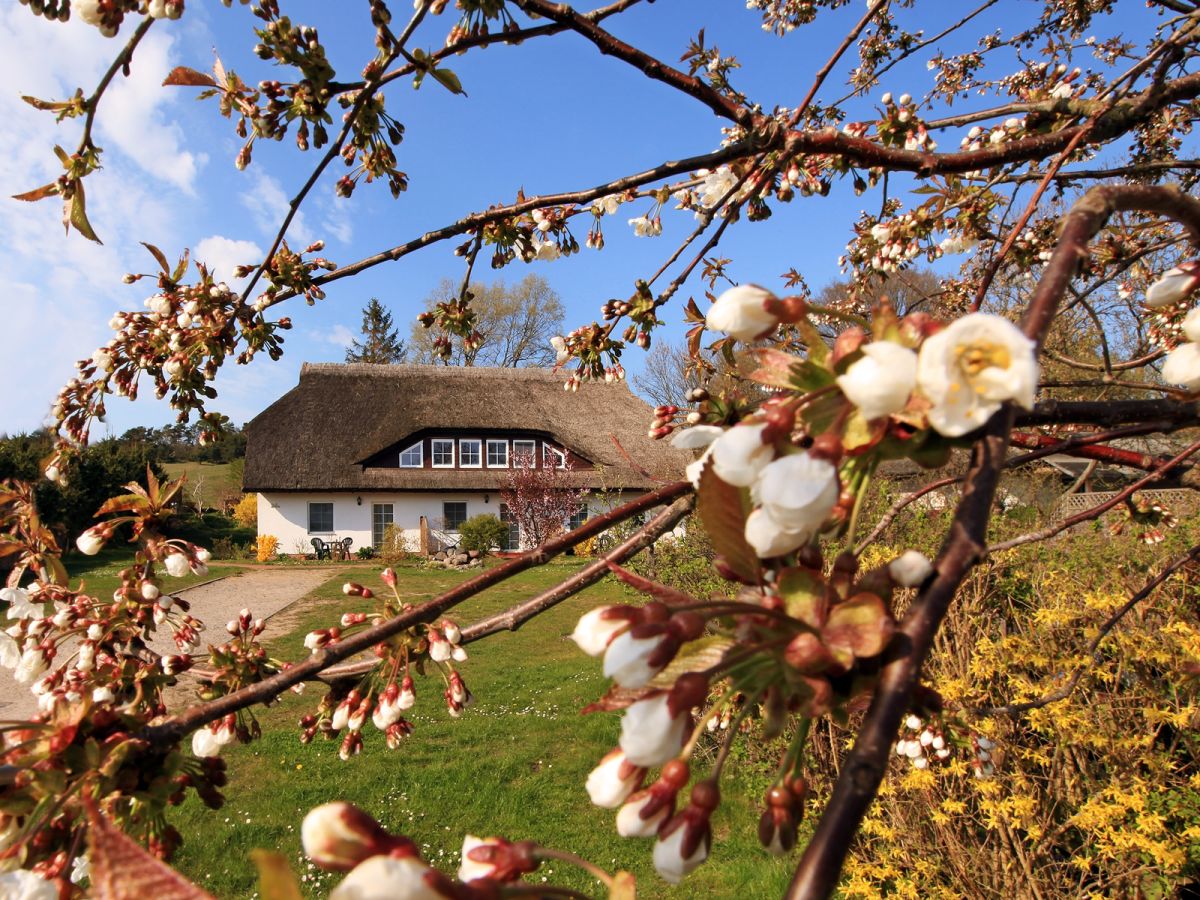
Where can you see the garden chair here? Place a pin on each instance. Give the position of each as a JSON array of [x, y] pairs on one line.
[[323, 549]]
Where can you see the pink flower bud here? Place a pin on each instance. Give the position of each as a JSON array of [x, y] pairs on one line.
[[610, 783], [92, 540], [389, 577], [495, 859]]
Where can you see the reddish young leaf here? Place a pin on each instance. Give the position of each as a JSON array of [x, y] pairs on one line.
[[182, 75], [722, 509], [774, 367], [123, 870], [46, 190]]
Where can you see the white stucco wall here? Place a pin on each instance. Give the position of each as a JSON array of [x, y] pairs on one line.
[[285, 515]]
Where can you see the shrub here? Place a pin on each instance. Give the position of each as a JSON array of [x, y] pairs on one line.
[[224, 548], [366, 553], [586, 548], [394, 547], [265, 547], [482, 533], [246, 512]]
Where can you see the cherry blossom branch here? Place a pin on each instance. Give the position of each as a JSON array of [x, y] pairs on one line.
[[872, 10], [173, 728], [120, 63], [1093, 649], [1107, 413], [335, 146], [862, 772], [515, 616]]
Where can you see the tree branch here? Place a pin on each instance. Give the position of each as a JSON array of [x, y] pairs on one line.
[[173, 728]]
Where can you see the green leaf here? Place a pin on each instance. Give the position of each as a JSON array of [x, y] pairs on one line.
[[860, 435], [695, 656], [77, 214], [818, 350], [447, 79], [276, 881], [722, 509]]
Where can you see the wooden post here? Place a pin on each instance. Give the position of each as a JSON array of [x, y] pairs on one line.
[[424, 539]]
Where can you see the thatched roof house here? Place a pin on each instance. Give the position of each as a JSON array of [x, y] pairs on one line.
[[354, 447]]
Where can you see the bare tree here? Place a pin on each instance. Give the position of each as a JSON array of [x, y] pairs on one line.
[[514, 323]]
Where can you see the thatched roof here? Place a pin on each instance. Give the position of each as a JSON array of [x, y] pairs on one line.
[[321, 434]]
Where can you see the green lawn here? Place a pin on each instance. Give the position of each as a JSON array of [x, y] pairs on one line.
[[101, 573], [513, 765], [215, 480]]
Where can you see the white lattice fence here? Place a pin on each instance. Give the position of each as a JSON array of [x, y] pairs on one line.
[[1176, 500]]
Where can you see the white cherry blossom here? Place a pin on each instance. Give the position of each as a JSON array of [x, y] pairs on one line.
[[739, 455], [740, 313], [768, 539], [630, 822], [972, 366], [627, 659], [668, 856], [594, 630], [19, 605], [1172, 287], [881, 382], [387, 878], [1182, 366], [605, 785], [910, 569], [650, 734], [716, 185], [798, 492]]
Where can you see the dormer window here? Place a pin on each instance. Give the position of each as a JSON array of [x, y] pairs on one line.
[[497, 454], [413, 457], [525, 454], [470, 453], [443, 453], [553, 458]]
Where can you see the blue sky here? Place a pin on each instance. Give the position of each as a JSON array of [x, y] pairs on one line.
[[548, 116]]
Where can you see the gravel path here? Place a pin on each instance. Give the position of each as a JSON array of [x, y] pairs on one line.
[[264, 591]]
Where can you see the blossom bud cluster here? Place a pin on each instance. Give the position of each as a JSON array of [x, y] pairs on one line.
[[924, 744]]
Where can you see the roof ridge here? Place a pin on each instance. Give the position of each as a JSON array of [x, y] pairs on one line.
[[380, 370]]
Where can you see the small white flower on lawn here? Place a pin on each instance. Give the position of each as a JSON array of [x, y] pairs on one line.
[[880, 383], [739, 313], [969, 368]]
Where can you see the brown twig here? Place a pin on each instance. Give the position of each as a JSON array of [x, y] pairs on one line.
[[515, 616]]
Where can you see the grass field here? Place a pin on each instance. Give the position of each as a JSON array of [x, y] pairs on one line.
[[101, 573], [215, 480], [513, 765]]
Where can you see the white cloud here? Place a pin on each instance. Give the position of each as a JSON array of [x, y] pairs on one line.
[[339, 336], [222, 255], [268, 204], [131, 116]]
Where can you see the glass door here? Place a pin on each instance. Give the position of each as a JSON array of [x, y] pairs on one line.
[[381, 518]]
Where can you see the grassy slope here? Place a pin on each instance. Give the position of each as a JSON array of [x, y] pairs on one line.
[[216, 480], [513, 765]]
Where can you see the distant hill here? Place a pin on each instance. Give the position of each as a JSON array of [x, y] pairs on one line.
[[216, 481]]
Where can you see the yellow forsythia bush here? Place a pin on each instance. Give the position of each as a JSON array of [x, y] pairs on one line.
[[1096, 791], [246, 511], [265, 547]]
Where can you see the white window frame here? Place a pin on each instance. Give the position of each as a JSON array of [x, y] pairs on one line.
[[560, 458], [433, 445], [420, 448], [488, 455], [532, 455], [463, 442], [309, 523]]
